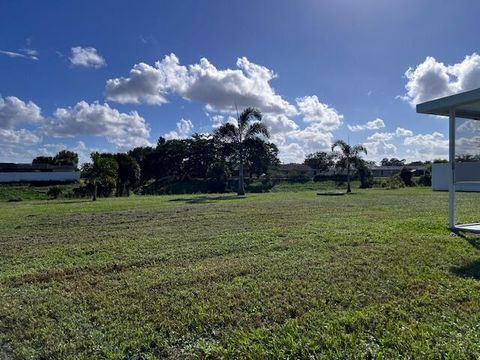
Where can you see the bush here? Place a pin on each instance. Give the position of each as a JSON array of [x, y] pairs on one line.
[[406, 177], [392, 182], [54, 192], [425, 180], [259, 187]]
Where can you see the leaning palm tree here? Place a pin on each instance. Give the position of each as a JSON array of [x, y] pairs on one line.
[[249, 126], [348, 155]]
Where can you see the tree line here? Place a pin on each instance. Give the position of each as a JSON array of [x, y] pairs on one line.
[[239, 151]]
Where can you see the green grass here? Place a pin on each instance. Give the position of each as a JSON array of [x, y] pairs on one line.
[[20, 192], [374, 274]]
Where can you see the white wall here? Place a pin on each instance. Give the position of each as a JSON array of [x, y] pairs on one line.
[[39, 176], [465, 171]]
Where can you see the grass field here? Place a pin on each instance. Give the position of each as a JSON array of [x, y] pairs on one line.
[[278, 275]]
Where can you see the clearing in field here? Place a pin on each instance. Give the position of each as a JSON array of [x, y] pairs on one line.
[[287, 274]]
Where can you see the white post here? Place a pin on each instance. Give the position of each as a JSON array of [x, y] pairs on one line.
[[451, 182]]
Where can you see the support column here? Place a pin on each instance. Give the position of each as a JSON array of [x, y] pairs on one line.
[[451, 182]]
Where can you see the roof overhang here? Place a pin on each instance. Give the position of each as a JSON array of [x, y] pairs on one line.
[[466, 105]]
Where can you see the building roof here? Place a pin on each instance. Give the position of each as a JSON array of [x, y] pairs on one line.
[[465, 104], [399, 168], [11, 167]]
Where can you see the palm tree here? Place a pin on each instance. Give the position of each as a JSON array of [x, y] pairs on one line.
[[348, 155], [249, 126]]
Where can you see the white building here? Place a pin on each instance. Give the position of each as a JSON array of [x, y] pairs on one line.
[[469, 172], [12, 173]]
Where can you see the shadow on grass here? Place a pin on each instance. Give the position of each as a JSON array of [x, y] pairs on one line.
[[472, 269], [207, 199], [473, 239]]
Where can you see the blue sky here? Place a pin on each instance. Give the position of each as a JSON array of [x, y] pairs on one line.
[[319, 70]]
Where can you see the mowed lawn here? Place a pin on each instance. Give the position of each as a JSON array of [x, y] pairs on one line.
[[277, 275]]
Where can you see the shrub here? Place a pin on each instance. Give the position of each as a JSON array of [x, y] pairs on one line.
[[392, 182], [54, 192], [296, 176], [406, 177], [425, 180]]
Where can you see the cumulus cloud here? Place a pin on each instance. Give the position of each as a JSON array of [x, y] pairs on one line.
[[14, 111], [314, 111], [86, 57], [220, 90], [432, 79], [21, 137], [381, 136], [401, 132], [370, 125], [184, 129], [291, 153], [377, 149], [427, 146], [125, 130], [279, 124]]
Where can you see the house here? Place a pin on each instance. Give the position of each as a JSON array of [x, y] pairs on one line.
[[387, 171], [286, 170], [10, 173]]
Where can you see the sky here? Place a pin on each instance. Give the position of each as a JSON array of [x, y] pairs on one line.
[[113, 75]]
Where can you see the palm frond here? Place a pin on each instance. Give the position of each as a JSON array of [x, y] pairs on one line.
[[227, 131], [357, 149], [255, 129], [248, 115], [344, 147]]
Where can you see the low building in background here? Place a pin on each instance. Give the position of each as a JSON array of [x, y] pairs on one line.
[[12, 173], [387, 171]]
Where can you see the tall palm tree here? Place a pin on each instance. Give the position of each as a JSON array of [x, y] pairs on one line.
[[348, 155], [249, 126]]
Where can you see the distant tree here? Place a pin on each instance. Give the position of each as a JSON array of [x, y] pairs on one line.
[[347, 156], [239, 134], [260, 156], [392, 162], [406, 176], [321, 161], [102, 171], [128, 174], [43, 160], [200, 153], [66, 158], [139, 154], [364, 173]]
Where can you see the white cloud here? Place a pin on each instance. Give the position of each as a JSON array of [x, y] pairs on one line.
[[87, 57], [184, 129], [20, 137], [291, 153], [125, 130], [379, 149], [401, 132], [370, 125], [14, 111], [432, 79], [28, 54], [427, 146], [314, 111], [279, 124], [381, 136], [219, 90], [219, 120]]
